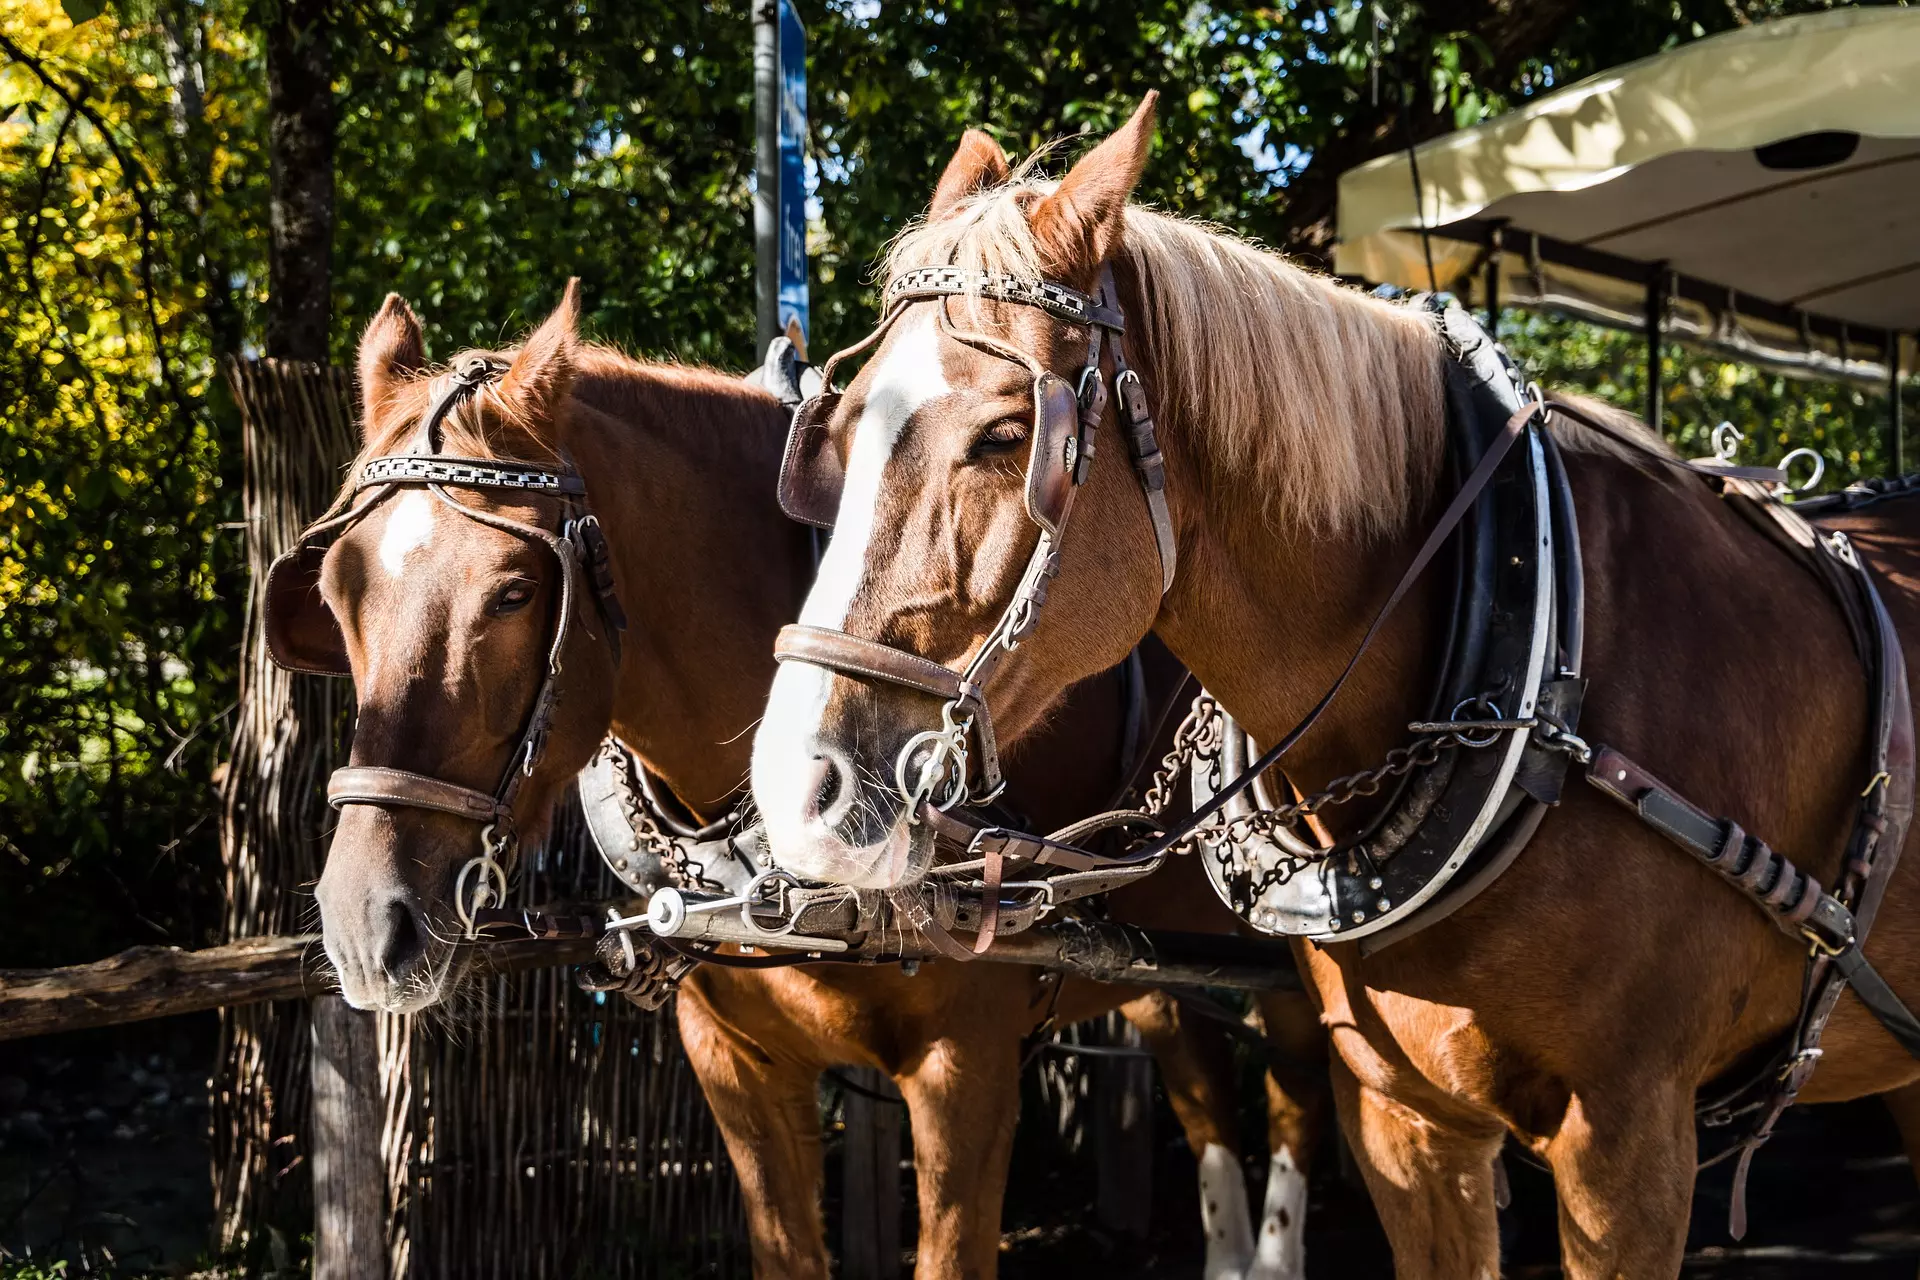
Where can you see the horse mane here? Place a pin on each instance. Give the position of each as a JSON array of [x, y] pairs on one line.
[[1324, 401], [605, 378]]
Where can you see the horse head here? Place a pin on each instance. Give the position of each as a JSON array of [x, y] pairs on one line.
[[955, 453], [482, 669]]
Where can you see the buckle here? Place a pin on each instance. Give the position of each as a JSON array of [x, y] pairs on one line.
[[1800, 1065]]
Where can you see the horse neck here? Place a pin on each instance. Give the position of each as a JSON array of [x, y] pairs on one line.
[[681, 466], [1267, 614]]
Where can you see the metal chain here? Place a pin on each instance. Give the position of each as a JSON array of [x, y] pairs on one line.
[[1199, 735], [1198, 740], [688, 871]]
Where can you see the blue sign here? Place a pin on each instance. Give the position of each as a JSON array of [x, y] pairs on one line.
[[793, 170]]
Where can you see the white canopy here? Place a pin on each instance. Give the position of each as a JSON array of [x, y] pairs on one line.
[[1767, 179]]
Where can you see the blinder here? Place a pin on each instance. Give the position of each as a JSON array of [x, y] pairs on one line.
[[811, 473], [1061, 447], [301, 632]]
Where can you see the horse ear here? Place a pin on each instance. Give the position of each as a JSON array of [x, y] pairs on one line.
[[1078, 225], [977, 164], [543, 369], [390, 352]]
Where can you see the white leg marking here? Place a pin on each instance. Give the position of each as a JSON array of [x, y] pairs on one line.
[[409, 525], [1280, 1252], [1224, 1215], [908, 376]]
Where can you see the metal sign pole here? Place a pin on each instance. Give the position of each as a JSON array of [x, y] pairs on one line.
[[780, 171], [766, 169]]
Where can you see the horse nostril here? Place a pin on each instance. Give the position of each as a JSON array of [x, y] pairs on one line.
[[831, 784], [404, 942]]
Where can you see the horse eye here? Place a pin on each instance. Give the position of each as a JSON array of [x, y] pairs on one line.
[[512, 598], [1002, 436]]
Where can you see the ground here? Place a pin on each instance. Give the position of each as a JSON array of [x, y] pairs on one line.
[[103, 1145]]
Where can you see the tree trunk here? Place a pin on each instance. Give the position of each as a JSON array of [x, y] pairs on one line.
[[300, 234]]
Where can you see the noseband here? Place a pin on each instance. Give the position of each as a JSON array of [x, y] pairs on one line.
[[935, 767], [579, 546]]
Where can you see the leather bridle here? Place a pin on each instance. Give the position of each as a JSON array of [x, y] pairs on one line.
[[936, 767], [579, 547]]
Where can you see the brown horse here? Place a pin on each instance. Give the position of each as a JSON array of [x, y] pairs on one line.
[[1579, 1003], [446, 623]]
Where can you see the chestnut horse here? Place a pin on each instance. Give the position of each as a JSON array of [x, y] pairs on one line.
[[1580, 1002], [446, 624]]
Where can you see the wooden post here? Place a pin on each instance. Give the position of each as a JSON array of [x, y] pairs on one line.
[[870, 1180], [1656, 338], [349, 1176], [288, 734], [1123, 1132], [1896, 434]]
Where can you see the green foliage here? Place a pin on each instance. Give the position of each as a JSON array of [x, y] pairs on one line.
[[488, 151], [116, 640]]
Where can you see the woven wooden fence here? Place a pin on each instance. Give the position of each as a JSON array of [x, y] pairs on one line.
[[536, 1131]]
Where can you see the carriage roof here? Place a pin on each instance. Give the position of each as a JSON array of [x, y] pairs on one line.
[[1762, 187]]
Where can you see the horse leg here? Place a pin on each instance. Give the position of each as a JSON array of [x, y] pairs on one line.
[[1432, 1184], [1196, 1070], [768, 1115], [1623, 1169], [963, 1098], [1296, 1112]]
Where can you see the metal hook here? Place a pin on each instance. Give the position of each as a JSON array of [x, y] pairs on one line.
[[1819, 468], [1727, 440]]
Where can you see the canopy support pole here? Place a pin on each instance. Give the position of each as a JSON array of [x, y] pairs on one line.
[[1896, 441], [1656, 332], [1493, 290]]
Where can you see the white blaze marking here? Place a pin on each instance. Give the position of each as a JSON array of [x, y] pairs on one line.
[[906, 377], [1224, 1215], [1280, 1252], [410, 525]]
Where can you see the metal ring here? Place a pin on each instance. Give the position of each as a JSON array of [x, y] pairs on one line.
[[1493, 735], [746, 908], [946, 748], [1819, 468], [483, 891]]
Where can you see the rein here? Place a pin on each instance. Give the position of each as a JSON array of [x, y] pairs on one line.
[[579, 547]]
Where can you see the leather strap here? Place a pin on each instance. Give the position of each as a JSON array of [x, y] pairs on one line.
[[378, 785], [855, 655], [1791, 899], [1880, 998]]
